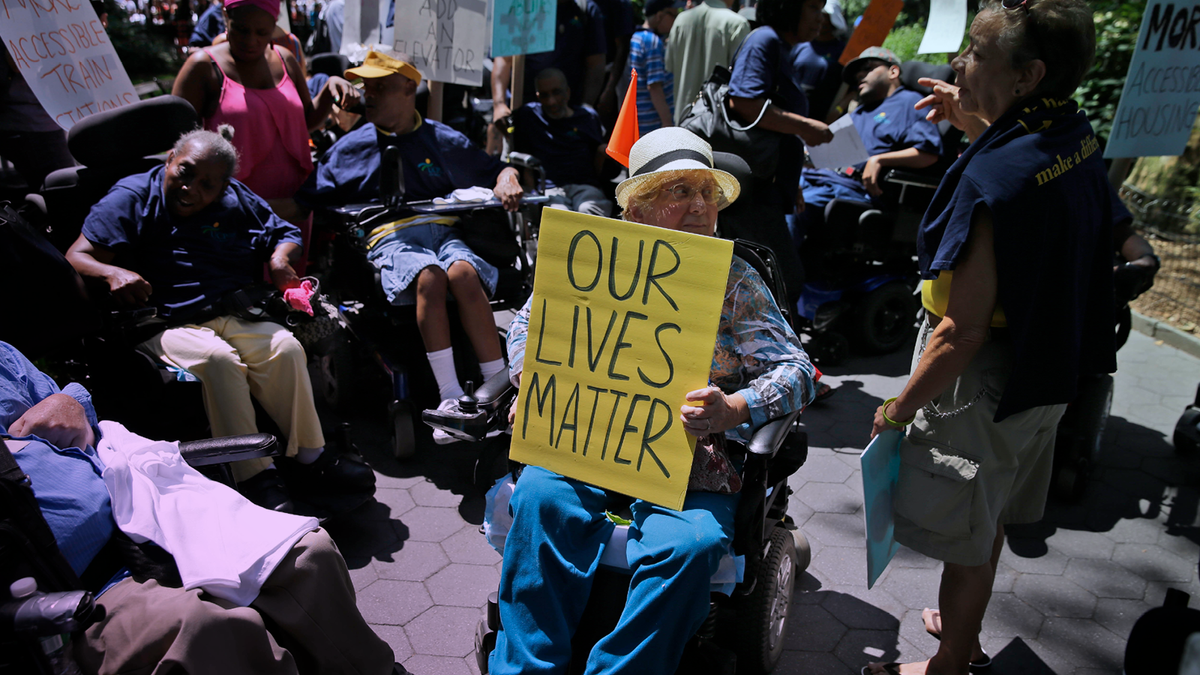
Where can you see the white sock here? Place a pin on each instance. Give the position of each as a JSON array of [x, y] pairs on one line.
[[308, 455], [491, 368], [442, 362]]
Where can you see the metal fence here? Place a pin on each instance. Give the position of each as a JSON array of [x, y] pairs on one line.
[[1175, 297]]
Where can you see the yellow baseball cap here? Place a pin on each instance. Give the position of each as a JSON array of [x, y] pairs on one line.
[[382, 65]]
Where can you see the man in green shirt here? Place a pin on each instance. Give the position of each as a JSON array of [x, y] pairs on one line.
[[707, 34]]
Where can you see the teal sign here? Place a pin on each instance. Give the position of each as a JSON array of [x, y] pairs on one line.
[[523, 26]]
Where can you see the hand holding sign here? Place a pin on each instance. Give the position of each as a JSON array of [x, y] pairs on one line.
[[623, 326]]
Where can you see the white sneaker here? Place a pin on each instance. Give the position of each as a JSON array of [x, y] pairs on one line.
[[448, 407]]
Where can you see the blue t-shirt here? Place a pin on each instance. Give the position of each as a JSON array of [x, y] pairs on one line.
[[567, 147], [618, 24], [437, 160], [1038, 170], [190, 262], [647, 55], [892, 125], [808, 67], [762, 68], [580, 35]]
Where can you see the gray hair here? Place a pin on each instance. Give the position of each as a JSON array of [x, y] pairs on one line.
[[216, 145], [1061, 33]]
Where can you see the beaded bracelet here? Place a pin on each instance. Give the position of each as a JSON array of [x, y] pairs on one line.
[[892, 422]]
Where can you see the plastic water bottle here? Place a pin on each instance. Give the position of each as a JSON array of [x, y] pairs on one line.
[[58, 610]]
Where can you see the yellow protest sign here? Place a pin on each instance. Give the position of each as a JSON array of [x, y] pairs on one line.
[[623, 325]]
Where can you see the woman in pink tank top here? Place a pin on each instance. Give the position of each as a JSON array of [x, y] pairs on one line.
[[259, 90]]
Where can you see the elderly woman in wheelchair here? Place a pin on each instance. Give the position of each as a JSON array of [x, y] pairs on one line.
[[186, 238], [559, 526]]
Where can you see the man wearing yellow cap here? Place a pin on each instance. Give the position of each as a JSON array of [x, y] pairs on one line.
[[422, 263]]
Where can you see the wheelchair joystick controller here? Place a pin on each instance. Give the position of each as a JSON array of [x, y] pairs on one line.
[[467, 403]]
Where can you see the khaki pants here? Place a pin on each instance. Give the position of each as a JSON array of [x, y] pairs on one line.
[[304, 620], [234, 360]]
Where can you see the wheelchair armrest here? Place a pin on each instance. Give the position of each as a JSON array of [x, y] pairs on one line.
[[36, 201], [770, 436], [912, 179], [494, 389], [211, 451], [524, 160]]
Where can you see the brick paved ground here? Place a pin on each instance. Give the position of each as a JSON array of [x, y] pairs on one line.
[[1067, 594]]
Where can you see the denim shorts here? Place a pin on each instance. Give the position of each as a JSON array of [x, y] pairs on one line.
[[402, 255]]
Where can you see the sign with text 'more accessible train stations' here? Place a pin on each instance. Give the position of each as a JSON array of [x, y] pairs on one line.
[[65, 56], [623, 325]]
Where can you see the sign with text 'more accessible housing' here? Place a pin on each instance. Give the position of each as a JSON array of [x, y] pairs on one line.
[[623, 324]]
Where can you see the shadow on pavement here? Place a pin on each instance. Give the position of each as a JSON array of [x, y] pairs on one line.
[[1138, 475], [852, 629]]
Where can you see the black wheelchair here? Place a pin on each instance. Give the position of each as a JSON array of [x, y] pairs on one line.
[[387, 334], [77, 332], [861, 264], [745, 628], [28, 550]]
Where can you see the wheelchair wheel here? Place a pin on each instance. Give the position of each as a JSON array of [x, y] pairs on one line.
[[762, 615], [829, 348], [883, 319], [334, 376], [404, 440], [803, 550]]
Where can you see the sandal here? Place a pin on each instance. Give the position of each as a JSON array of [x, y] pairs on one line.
[[824, 391], [927, 616]]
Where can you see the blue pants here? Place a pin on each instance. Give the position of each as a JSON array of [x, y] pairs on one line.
[[816, 197], [550, 557]]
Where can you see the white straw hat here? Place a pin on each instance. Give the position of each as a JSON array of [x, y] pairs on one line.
[[672, 149]]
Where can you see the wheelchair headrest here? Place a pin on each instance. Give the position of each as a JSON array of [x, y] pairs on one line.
[[131, 132], [329, 64], [912, 71], [736, 166]]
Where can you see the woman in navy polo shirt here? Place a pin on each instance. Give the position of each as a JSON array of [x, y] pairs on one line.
[[1016, 251]]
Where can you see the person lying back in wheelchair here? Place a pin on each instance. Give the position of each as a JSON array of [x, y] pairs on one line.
[[183, 238], [421, 259], [759, 372], [895, 135], [302, 618]]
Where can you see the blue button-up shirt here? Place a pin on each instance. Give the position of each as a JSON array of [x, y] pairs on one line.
[[66, 481]]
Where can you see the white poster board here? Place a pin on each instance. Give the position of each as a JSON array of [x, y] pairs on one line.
[[944, 30], [1162, 90], [444, 39], [65, 56]]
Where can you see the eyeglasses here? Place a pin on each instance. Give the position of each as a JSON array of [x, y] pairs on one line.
[[682, 192], [1014, 4]]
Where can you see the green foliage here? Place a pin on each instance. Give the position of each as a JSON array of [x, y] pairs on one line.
[[905, 39], [1117, 25], [146, 51]]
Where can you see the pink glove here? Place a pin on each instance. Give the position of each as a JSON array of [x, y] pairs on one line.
[[300, 298]]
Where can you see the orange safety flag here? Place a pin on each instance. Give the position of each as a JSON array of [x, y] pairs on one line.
[[625, 132]]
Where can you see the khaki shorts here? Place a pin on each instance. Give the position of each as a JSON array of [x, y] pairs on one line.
[[961, 474]]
